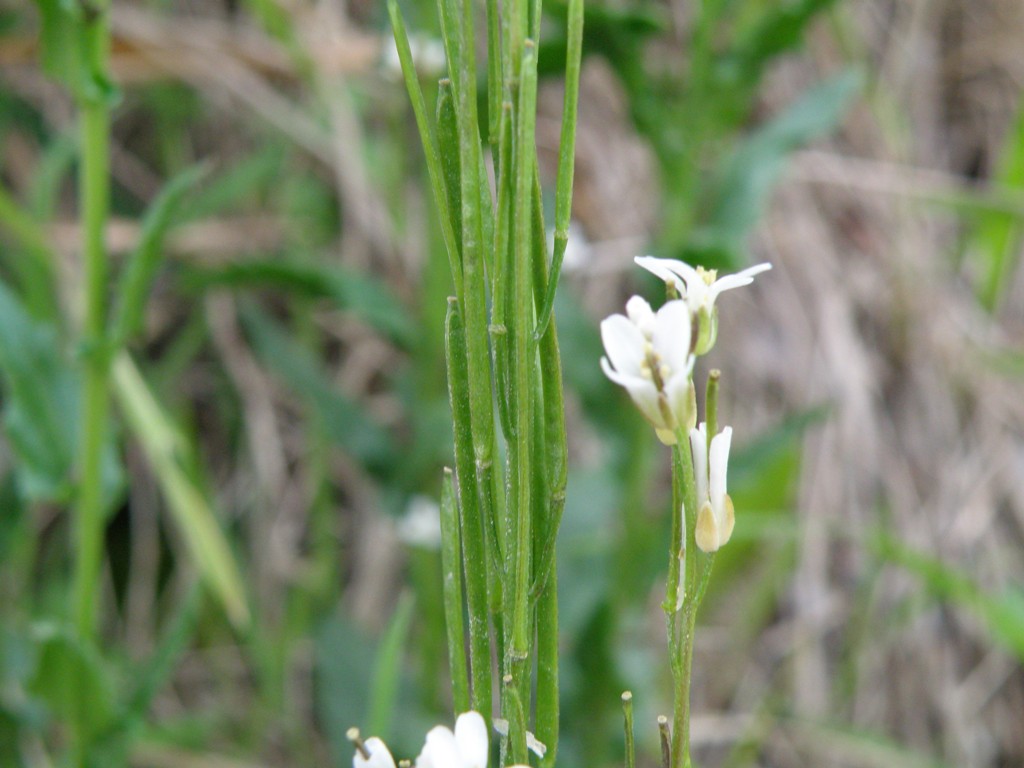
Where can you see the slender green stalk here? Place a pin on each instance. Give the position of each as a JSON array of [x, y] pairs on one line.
[[495, 93], [448, 145], [472, 525], [555, 445], [500, 283], [566, 156], [451, 564], [94, 197], [682, 620], [666, 741], [94, 202], [627, 713], [711, 404], [430, 148], [547, 712], [523, 348], [474, 303]]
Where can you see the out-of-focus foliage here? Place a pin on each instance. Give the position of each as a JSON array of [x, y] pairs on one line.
[[279, 286]]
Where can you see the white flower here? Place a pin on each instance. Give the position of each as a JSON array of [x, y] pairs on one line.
[[427, 56], [700, 288], [649, 354], [465, 748], [379, 754], [715, 514], [420, 526]]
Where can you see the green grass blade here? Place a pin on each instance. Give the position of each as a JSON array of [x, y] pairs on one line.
[[449, 14], [138, 275], [749, 175], [388, 666], [163, 447], [430, 148], [1003, 614], [367, 297], [997, 237], [566, 156]]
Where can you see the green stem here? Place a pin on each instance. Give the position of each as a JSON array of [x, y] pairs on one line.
[[94, 199], [94, 194], [451, 563], [471, 516], [682, 622], [546, 721], [627, 712]]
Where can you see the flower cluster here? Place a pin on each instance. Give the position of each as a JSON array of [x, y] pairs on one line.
[[466, 747], [652, 354]]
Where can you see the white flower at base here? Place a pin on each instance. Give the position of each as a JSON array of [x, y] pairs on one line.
[[715, 514], [465, 748], [649, 354], [700, 287], [380, 755]]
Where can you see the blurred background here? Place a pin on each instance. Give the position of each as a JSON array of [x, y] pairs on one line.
[[869, 610]]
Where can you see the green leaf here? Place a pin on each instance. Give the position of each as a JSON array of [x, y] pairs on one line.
[[749, 175], [70, 679], [40, 412], [342, 420], [387, 667], [1002, 613], [781, 29], [64, 36], [366, 297], [841, 744], [995, 241], [138, 275], [167, 454], [346, 659], [230, 187]]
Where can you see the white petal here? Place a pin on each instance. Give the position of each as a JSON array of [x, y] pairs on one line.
[[681, 270], [719, 461], [672, 335], [624, 344], [642, 391], [380, 755], [471, 737], [699, 446], [440, 750], [741, 278], [645, 395], [640, 314], [624, 380], [681, 398], [660, 268], [757, 269]]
